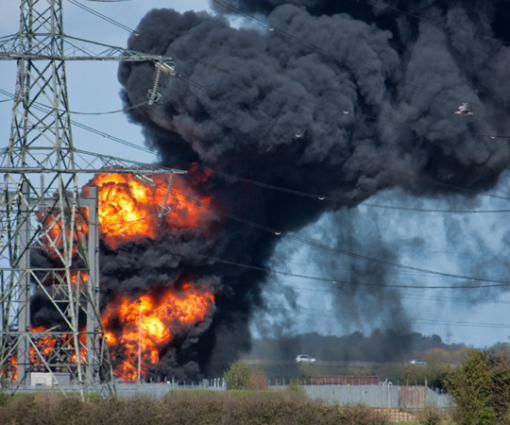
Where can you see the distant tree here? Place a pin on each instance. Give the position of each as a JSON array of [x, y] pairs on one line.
[[500, 388], [481, 389], [238, 377], [471, 388], [501, 349], [436, 338]]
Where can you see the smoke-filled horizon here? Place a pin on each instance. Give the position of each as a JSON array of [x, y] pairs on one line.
[[377, 111]]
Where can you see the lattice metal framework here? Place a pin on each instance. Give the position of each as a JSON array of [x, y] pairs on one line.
[[49, 233]]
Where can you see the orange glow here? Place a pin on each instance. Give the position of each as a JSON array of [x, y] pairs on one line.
[[9, 371], [51, 228], [163, 317], [130, 210], [14, 361]]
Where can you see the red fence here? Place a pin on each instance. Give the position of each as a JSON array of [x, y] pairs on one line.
[[343, 380]]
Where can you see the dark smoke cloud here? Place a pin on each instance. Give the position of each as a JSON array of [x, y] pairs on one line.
[[282, 123], [362, 304]]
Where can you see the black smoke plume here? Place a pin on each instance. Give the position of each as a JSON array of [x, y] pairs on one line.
[[340, 100]]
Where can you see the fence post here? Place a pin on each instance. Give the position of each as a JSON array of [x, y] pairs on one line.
[[389, 394]]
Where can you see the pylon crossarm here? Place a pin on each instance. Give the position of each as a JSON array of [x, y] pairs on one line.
[[14, 47], [85, 162]]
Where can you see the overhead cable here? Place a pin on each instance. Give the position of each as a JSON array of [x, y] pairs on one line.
[[319, 245], [296, 192], [324, 313], [348, 282], [104, 17]]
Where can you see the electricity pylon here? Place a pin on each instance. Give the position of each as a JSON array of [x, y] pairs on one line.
[[49, 232]]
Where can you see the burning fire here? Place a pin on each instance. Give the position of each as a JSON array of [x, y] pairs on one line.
[[51, 351], [52, 224], [131, 209], [162, 317]]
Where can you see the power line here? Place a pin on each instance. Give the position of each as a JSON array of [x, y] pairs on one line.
[[104, 17], [348, 282], [499, 283], [336, 250], [43, 107], [329, 289], [319, 245], [413, 320], [109, 112], [113, 138], [355, 203], [273, 187]]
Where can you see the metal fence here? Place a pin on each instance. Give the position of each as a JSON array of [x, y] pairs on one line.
[[156, 390], [159, 390], [385, 395]]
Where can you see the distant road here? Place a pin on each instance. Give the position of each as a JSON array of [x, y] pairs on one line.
[[317, 363]]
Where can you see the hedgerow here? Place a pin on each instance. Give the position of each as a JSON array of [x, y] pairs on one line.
[[185, 408]]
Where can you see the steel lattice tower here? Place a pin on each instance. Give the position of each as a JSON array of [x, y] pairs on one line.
[[43, 213]]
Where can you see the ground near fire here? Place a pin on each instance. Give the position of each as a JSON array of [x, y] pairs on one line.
[[302, 113]]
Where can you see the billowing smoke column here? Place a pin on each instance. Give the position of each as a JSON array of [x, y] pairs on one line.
[[371, 108]]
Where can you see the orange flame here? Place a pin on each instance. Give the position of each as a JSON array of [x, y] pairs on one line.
[[46, 348], [163, 317], [130, 210], [9, 371]]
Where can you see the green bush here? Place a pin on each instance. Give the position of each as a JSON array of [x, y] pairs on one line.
[[296, 389], [238, 377], [481, 389], [430, 416]]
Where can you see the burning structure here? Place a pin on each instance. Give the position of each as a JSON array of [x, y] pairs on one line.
[[165, 306], [174, 304]]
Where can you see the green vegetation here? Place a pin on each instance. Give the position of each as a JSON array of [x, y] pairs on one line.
[[430, 416], [238, 377], [295, 388], [185, 408], [481, 389]]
